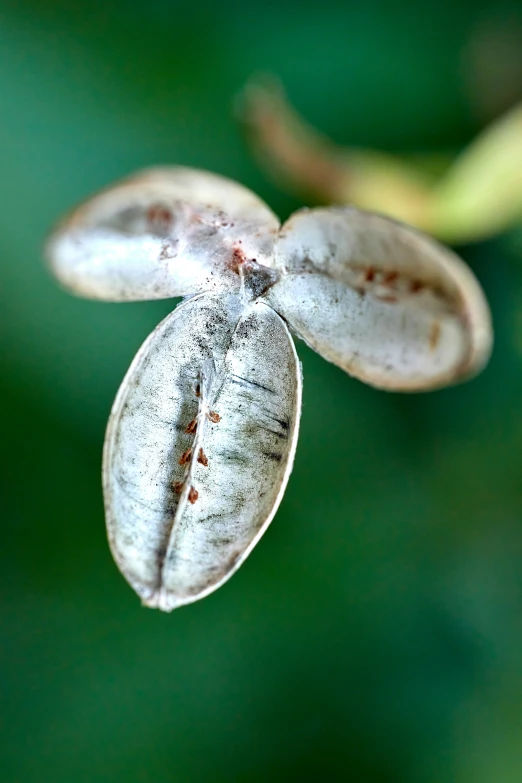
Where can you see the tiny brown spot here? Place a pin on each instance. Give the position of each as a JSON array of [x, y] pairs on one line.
[[192, 427], [214, 417], [434, 335], [202, 458], [390, 277], [387, 298], [369, 274], [238, 258], [193, 495], [416, 286], [185, 457], [177, 486], [198, 390], [159, 217]]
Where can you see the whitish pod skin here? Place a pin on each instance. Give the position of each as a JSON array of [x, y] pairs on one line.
[[199, 446], [386, 303], [163, 232], [201, 438]]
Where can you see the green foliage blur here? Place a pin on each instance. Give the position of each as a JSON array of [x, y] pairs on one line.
[[375, 634]]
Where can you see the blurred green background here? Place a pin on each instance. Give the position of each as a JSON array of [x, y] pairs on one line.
[[375, 634]]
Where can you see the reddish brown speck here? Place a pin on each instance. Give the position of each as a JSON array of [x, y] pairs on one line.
[[369, 275], [192, 427], [214, 417], [434, 335], [386, 298], [390, 277], [159, 216], [185, 457], [193, 495], [198, 390], [202, 458], [416, 286], [177, 486], [238, 258]]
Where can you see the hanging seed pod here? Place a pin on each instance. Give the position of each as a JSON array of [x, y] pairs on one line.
[[201, 438]]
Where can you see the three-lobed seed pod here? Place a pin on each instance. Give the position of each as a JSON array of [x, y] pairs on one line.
[[201, 438]]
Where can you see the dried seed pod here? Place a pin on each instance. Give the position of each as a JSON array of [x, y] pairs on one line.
[[179, 531], [202, 434], [162, 232], [386, 303]]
